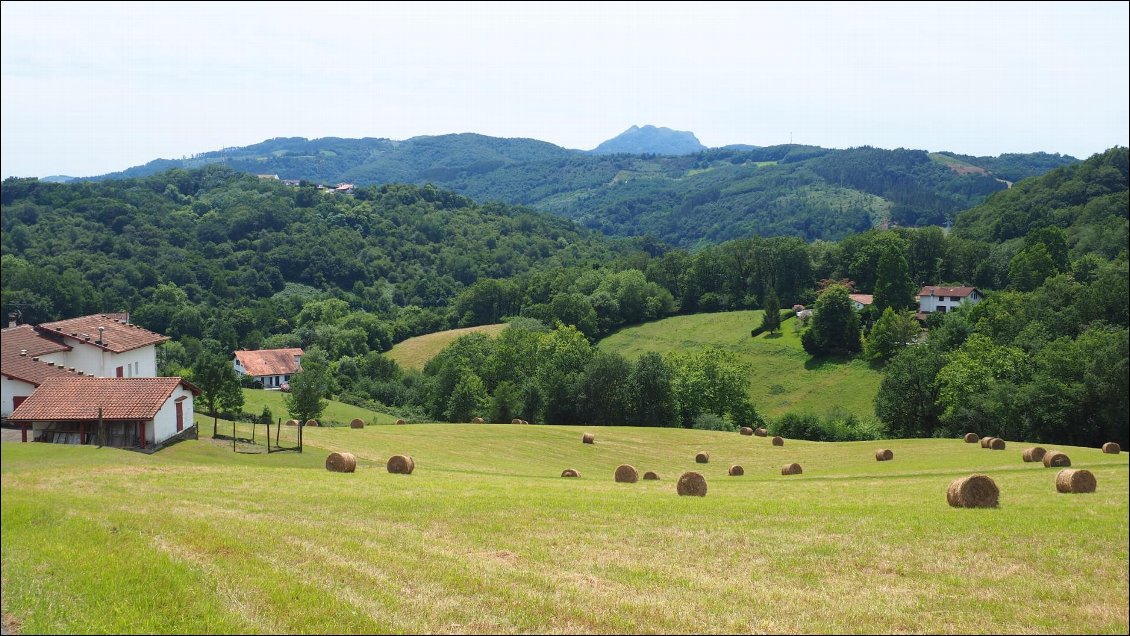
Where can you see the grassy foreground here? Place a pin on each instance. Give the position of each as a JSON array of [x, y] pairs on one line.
[[783, 378], [485, 537], [413, 353]]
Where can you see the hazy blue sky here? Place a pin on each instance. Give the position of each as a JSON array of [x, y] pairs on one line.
[[93, 87]]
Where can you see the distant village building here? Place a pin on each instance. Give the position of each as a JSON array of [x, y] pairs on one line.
[[294, 183], [942, 299], [272, 367], [861, 301], [269, 177]]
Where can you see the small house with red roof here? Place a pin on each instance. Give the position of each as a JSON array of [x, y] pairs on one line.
[[272, 367], [122, 412], [105, 345], [932, 299]]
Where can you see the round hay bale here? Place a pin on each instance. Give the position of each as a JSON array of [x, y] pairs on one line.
[[341, 463], [311, 422], [1035, 454], [401, 465], [975, 491], [292, 422], [691, 485], [791, 469], [1075, 480], [1112, 448], [972, 438], [569, 472], [589, 438], [760, 432], [736, 471], [778, 441], [884, 455], [515, 421], [702, 458], [357, 423], [745, 430], [400, 422], [997, 444], [985, 442], [627, 474], [651, 475], [478, 420], [523, 422], [1056, 459]]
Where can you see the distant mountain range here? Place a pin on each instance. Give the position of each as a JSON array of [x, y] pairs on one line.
[[655, 181]]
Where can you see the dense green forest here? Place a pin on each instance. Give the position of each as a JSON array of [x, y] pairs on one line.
[[222, 260], [706, 197]]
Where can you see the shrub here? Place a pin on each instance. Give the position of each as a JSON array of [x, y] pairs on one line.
[[712, 422]]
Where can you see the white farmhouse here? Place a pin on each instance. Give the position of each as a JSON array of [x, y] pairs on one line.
[[272, 367], [942, 299]]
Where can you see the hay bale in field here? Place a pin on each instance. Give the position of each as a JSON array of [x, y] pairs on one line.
[[478, 420], [569, 472], [972, 438], [515, 421], [884, 455], [745, 430], [401, 465], [400, 422], [791, 469], [985, 442], [523, 422], [760, 432], [341, 463], [1075, 480], [997, 444], [589, 438], [1034, 454], [702, 458], [627, 474], [778, 441], [292, 422], [1112, 448], [1056, 459], [975, 491], [311, 422], [691, 485], [357, 423], [651, 475], [736, 471]]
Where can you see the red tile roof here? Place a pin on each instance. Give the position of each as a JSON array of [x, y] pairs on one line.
[[863, 299], [19, 350], [269, 361], [960, 292], [60, 399], [118, 337], [26, 337]]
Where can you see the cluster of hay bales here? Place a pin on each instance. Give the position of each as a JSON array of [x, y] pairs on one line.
[[702, 458], [1075, 480], [1056, 459], [400, 422], [401, 465], [736, 471], [884, 455], [760, 432], [478, 420], [341, 463], [1035, 454], [691, 484], [588, 438], [745, 430], [1112, 448], [975, 491], [357, 423], [972, 438], [627, 474], [791, 469], [518, 421], [993, 443], [651, 475], [569, 472], [778, 441], [985, 442]]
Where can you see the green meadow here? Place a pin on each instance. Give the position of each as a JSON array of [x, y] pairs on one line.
[[336, 412], [486, 537], [413, 353], [782, 377]]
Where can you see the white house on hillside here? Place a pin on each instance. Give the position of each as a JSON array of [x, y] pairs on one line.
[[105, 346], [861, 301], [942, 299], [272, 367], [27, 358]]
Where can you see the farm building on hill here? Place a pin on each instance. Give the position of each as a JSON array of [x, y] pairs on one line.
[[272, 367], [942, 299], [122, 412]]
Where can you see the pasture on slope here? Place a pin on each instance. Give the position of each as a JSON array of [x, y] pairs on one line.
[[414, 353], [783, 378], [485, 537]]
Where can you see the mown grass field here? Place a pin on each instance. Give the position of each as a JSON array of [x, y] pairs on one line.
[[485, 537], [415, 352], [782, 377], [255, 399]]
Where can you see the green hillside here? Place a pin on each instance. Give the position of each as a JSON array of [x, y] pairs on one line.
[[336, 412], [413, 353], [485, 537], [783, 377]]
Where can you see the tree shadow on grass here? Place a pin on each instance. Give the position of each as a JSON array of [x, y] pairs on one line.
[[826, 362]]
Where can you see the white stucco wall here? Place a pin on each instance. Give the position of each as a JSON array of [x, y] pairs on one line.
[[11, 388], [136, 363], [164, 425]]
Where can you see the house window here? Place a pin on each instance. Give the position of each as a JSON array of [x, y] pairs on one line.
[[119, 372], [955, 299], [17, 400], [941, 309]]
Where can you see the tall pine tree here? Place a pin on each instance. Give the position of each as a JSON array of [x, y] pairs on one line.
[[771, 321]]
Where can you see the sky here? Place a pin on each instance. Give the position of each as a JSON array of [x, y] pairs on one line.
[[93, 87]]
